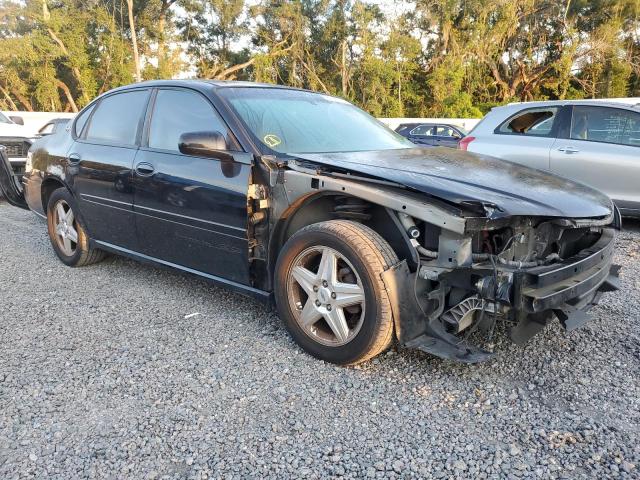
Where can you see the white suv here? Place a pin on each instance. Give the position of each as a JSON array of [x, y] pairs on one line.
[[596, 142], [16, 138]]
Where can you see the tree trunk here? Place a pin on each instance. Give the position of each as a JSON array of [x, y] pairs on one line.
[[344, 74], [26, 103], [9, 99], [75, 70], [162, 22], [67, 93], [162, 38], [134, 41]]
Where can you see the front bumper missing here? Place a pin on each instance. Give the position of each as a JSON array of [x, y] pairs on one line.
[[564, 290], [574, 280]]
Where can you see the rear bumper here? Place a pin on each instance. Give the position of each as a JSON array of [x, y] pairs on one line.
[[570, 284]]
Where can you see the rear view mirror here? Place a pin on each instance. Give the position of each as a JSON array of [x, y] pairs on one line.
[[204, 144], [16, 119]]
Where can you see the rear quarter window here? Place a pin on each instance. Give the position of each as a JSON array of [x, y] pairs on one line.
[[537, 122], [117, 118], [81, 121]]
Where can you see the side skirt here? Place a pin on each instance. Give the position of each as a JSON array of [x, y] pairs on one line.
[[260, 295]]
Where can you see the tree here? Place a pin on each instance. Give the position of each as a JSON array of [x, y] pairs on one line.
[[134, 41], [453, 58]]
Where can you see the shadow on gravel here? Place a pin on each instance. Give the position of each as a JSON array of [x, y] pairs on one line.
[[553, 342]]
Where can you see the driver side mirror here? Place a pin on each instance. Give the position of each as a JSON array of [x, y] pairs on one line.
[[16, 119], [456, 135], [210, 144]]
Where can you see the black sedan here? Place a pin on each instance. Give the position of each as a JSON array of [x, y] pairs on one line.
[[433, 134], [304, 201]]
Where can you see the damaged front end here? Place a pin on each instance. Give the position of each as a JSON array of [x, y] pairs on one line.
[[470, 269], [521, 272]]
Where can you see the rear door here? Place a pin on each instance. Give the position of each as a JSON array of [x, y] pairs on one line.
[[101, 162], [601, 148], [525, 137], [191, 211]]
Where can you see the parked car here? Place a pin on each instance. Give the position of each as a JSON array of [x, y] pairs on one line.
[[434, 134], [16, 138], [594, 142], [304, 200], [53, 126]]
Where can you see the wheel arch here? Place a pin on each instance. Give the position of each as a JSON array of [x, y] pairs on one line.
[[48, 186], [320, 206]]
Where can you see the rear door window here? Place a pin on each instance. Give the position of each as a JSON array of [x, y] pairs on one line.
[[537, 122], [423, 131], [444, 131], [117, 118], [606, 125]]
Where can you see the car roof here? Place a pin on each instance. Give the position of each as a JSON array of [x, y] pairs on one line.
[[205, 84], [427, 124], [632, 103]]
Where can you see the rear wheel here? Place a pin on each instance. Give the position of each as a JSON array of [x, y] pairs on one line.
[[68, 238], [330, 293]]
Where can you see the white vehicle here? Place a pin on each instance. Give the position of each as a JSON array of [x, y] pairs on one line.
[[596, 142], [16, 138]]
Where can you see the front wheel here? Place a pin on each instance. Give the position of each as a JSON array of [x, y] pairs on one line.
[[330, 293]]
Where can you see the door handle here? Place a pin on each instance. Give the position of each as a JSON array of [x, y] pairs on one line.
[[145, 169], [74, 158], [568, 150]]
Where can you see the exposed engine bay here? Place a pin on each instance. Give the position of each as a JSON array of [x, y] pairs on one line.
[[470, 283]]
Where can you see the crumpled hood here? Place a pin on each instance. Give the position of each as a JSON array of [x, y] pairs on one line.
[[462, 177]]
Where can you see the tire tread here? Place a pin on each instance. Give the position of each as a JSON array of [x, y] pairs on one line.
[[380, 256]]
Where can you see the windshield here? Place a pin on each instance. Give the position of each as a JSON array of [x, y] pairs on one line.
[[292, 121], [4, 119]]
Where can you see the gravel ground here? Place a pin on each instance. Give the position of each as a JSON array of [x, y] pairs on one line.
[[125, 370]]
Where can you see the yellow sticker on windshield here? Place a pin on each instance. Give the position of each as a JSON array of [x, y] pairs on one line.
[[272, 140]]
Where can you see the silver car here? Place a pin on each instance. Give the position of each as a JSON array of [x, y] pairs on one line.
[[596, 142]]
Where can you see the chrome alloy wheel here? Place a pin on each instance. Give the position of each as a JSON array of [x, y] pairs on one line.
[[326, 296], [65, 228]]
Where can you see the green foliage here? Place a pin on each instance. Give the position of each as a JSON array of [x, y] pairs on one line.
[[449, 58]]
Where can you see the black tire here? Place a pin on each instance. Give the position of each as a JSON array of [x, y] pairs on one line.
[[83, 254], [369, 255]]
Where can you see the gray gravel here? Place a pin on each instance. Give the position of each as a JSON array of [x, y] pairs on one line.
[[125, 370]]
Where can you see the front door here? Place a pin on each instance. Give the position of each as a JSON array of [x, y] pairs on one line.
[[423, 135], [191, 211], [100, 166], [446, 136], [602, 150]]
